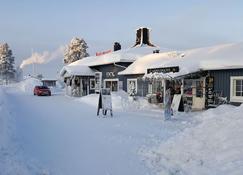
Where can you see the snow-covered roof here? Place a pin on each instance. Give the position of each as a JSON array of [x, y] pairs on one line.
[[125, 55], [81, 70], [226, 56], [49, 79], [141, 65]]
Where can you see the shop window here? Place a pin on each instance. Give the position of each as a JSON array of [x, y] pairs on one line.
[[199, 89], [236, 89], [188, 87]]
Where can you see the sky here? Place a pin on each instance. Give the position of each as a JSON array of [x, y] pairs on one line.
[[48, 24]]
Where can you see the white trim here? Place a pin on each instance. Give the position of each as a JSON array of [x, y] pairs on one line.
[[136, 84], [112, 79], [234, 98]]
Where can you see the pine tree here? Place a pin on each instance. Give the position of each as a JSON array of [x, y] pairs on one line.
[[76, 50], [7, 70]]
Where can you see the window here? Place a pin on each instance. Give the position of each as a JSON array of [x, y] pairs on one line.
[[112, 84], [92, 83], [236, 89], [131, 86]]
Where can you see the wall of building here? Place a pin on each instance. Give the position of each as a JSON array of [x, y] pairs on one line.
[[222, 80], [142, 89], [110, 71]]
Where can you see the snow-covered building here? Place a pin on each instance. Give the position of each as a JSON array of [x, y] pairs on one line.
[[134, 74], [50, 82], [206, 74], [91, 73]]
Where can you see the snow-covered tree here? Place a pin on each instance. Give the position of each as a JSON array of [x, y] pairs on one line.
[[7, 70], [76, 50]]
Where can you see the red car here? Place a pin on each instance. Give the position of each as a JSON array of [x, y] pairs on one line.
[[42, 90]]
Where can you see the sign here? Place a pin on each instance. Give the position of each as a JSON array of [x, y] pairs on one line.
[[110, 74], [209, 91], [105, 103], [176, 102], [163, 70], [98, 80], [103, 53]]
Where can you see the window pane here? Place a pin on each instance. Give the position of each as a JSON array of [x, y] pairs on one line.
[[238, 93], [238, 82], [238, 88]]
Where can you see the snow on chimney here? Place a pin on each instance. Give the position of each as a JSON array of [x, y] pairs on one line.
[[142, 37]]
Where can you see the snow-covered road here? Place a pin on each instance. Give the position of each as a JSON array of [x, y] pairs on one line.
[[65, 136], [60, 135]]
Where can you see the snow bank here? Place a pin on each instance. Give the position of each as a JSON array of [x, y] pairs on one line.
[[9, 163], [215, 146], [12, 161], [120, 101], [4, 128], [26, 86]]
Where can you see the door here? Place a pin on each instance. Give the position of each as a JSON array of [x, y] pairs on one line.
[[132, 86], [198, 94]]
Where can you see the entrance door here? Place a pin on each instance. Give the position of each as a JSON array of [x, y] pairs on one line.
[[198, 94], [112, 84], [84, 87]]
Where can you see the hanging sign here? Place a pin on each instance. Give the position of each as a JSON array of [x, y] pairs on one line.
[[163, 70], [105, 103], [209, 91]]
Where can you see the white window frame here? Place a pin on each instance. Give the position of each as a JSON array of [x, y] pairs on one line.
[[113, 79], [136, 84], [90, 84], [233, 97]]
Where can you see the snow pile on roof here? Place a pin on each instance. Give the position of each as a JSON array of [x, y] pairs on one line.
[[215, 146], [226, 56], [70, 70], [141, 65], [126, 55]]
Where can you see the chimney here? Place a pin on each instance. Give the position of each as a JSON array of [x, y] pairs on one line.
[[142, 37], [117, 46]]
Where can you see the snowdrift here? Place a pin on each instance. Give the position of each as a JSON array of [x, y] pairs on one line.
[[215, 146], [121, 101], [28, 85], [12, 160], [9, 160]]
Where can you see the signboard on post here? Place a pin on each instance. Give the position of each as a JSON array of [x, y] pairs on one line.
[[209, 91], [98, 81], [105, 103], [176, 102]]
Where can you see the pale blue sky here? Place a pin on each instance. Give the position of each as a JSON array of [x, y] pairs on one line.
[[47, 24]]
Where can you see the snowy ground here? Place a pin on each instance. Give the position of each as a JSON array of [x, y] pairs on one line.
[[62, 135]]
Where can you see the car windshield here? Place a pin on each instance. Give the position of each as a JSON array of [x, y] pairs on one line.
[[43, 87]]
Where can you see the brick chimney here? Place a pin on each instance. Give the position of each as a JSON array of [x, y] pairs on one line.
[[117, 46], [142, 37]]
